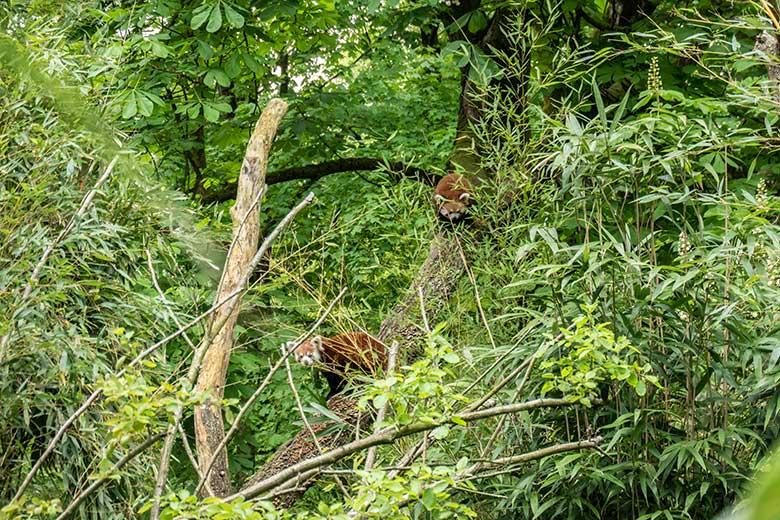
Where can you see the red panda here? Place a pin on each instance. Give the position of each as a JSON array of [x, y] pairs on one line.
[[453, 197], [355, 350]]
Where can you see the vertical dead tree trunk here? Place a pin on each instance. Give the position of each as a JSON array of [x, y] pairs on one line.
[[209, 426]]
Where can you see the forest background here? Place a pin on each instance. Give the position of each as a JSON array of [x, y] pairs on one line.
[[599, 341]]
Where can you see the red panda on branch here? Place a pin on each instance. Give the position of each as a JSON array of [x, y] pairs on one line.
[[337, 355], [452, 197]]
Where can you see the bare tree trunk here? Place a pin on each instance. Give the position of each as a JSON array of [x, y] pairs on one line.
[[209, 427], [769, 45]]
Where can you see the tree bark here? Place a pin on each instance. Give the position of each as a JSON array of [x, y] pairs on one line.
[[302, 447], [209, 427], [769, 45], [314, 172]]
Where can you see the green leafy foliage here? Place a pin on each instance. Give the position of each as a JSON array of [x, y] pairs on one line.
[[93, 306], [630, 174], [419, 392], [590, 354]]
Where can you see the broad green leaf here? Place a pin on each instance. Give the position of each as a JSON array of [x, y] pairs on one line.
[[233, 17], [477, 21], [428, 499], [252, 63], [205, 50], [215, 20], [145, 105], [159, 49], [441, 432], [641, 388], [131, 108], [233, 66], [200, 15], [210, 113], [221, 77]]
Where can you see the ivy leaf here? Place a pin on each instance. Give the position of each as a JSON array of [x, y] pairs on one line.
[[215, 20]]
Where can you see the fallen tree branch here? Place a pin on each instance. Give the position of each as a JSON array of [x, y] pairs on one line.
[[468, 474], [209, 425], [545, 452], [229, 300], [192, 373], [386, 436]]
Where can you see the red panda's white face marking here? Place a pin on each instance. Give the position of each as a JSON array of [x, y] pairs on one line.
[[309, 352], [452, 197]]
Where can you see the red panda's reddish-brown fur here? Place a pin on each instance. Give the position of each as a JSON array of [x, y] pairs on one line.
[[339, 354], [452, 197]]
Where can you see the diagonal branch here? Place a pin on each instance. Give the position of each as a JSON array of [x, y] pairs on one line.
[[86, 202], [102, 480], [386, 436]]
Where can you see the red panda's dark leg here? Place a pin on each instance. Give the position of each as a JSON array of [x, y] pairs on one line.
[[335, 382]]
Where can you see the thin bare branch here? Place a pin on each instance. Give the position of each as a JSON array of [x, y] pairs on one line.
[[476, 292], [386, 436], [228, 300], [162, 473], [380, 414], [100, 481], [188, 450], [592, 443], [503, 419], [468, 474], [303, 414], [424, 315]]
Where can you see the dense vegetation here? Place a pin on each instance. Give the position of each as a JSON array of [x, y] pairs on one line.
[[624, 252]]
